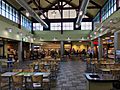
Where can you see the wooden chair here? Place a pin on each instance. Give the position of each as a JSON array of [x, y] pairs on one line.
[[17, 82], [37, 81], [28, 70], [17, 70], [3, 83], [41, 66], [47, 82]]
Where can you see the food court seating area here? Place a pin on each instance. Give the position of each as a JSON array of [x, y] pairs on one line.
[[104, 67], [37, 74]]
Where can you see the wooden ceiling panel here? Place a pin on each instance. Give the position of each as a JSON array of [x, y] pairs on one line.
[[46, 3], [92, 12], [90, 4], [76, 2], [14, 3], [32, 5], [100, 2]]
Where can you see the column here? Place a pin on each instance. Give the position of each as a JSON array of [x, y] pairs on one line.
[[5, 49], [99, 48], [116, 44], [62, 49], [20, 53], [32, 47], [91, 44], [116, 40]]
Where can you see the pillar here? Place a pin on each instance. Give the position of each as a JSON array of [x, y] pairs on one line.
[[91, 44], [20, 53], [99, 48], [32, 46], [116, 43], [5, 49], [62, 49], [116, 40]]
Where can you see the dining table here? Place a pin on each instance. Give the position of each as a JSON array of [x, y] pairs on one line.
[[9, 75], [25, 74]]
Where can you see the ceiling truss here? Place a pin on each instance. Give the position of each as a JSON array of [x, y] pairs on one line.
[[42, 10]]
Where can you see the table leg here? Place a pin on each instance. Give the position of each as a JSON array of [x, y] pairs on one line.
[[9, 81]]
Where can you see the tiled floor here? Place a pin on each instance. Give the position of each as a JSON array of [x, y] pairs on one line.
[[71, 76]]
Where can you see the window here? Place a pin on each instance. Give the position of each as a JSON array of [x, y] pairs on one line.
[[86, 25], [68, 26], [26, 22], [69, 13], [37, 26], [3, 8], [108, 9], [118, 3], [0, 6], [96, 20], [8, 11], [54, 14], [55, 26]]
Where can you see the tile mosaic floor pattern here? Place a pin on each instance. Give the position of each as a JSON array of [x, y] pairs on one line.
[[71, 76]]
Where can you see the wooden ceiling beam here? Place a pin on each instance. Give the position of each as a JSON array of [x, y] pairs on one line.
[[48, 1], [38, 7], [94, 3], [74, 6]]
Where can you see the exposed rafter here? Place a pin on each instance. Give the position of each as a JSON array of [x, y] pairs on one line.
[[40, 10], [94, 3], [48, 1], [49, 7], [38, 7], [77, 7], [67, 8]]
